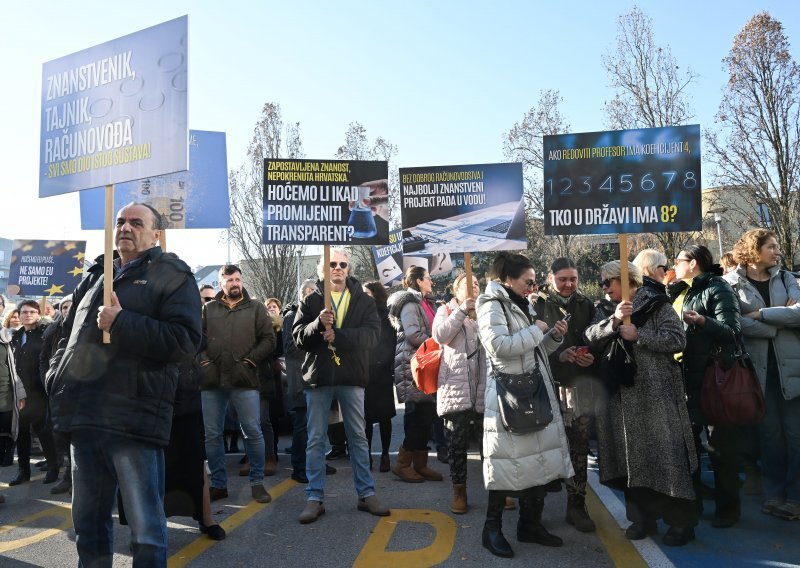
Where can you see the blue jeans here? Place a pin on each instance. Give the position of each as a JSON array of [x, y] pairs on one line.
[[780, 444], [246, 403], [351, 401], [101, 462]]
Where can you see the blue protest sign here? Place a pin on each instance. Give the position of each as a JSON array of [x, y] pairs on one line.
[[624, 181], [115, 112], [194, 199], [45, 268]]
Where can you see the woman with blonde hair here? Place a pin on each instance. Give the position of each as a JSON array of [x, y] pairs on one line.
[[770, 319], [644, 436], [461, 381]]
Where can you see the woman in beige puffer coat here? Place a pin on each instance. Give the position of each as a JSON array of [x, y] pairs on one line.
[[462, 382]]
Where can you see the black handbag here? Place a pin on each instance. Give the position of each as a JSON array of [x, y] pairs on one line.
[[619, 365], [523, 400]]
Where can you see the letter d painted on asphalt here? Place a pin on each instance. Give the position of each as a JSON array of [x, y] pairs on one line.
[[374, 552]]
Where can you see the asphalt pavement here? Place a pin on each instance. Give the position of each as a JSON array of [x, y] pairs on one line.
[[36, 528]]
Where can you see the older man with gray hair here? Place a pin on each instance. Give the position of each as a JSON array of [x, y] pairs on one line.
[[337, 342]]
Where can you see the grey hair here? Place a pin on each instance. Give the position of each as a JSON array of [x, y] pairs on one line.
[[308, 283], [340, 251], [648, 260], [612, 270]]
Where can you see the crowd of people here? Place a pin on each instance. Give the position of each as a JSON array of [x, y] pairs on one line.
[[132, 398]]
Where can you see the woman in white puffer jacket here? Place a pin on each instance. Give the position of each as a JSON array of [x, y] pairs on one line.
[[519, 465], [461, 382]]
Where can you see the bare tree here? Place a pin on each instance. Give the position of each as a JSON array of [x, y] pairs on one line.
[[758, 143], [357, 147], [523, 143], [271, 270], [651, 90]]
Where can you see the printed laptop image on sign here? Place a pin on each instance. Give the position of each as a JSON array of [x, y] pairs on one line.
[[506, 226]]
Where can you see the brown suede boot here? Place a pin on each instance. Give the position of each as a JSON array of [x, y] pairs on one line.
[[421, 466], [402, 467], [271, 466], [459, 506]]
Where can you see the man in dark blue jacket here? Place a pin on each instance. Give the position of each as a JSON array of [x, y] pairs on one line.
[[116, 399]]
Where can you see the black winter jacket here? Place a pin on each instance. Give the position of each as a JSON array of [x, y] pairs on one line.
[[354, 340], [127, 387], [714, 298], [235, 336], [27, 359]]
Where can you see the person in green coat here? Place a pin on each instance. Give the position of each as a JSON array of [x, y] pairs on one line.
[[710, 311]]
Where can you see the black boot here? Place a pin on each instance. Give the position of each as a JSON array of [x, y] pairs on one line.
[[23, 475], [493, 539], [530, 528]]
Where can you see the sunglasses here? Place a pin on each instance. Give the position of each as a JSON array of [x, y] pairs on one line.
[[341, 265], [531, 284], [607, 282], [207, 299], [663, 266]]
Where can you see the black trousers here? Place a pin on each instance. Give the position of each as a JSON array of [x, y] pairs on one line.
[[644, 505], [418, 421], [35, 415], [723, 454]]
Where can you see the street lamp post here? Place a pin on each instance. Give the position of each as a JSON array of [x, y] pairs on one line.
[[718, 222]]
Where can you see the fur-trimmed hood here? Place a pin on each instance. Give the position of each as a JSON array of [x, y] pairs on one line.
[[397, 301]]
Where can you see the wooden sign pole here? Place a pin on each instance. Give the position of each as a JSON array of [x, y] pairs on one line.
[[624, 279], [108, 259], [163, 240], [326, 279], [470, 287]]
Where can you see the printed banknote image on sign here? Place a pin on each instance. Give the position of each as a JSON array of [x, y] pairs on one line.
[[194, 199], [115, 112], [466, 208], [334, 202], [45, 268], [625, 181]]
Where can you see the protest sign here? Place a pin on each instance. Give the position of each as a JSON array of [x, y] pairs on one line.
[[624, 181], [467, 208], [194, 199], [115, 112], [45, 268], [389, 259], [334, 202]]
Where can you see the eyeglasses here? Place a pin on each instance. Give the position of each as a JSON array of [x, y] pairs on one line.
[[208, 298], [29, 313], [531, 284], [607, 282], [677, 260], [341, 265], [664, 267]]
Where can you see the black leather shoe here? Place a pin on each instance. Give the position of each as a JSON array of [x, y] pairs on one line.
[[23, 475], [329, 470], [677, 536], [214, 532], [216, 493], [538, 535], [61, 487], [719, 522], [299, 476], [51, 476], [639, 531], [494, 541]]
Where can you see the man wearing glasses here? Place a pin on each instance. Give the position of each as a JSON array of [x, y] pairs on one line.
[[207, 293], [337, 343], [240, 336]]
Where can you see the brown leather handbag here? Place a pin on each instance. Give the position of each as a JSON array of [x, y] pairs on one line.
[[732, 395]]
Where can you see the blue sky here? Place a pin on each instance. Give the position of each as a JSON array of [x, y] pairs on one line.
[[441, 80]]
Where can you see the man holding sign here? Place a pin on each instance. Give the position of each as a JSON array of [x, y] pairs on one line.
[[337, 342], [116, 399]]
